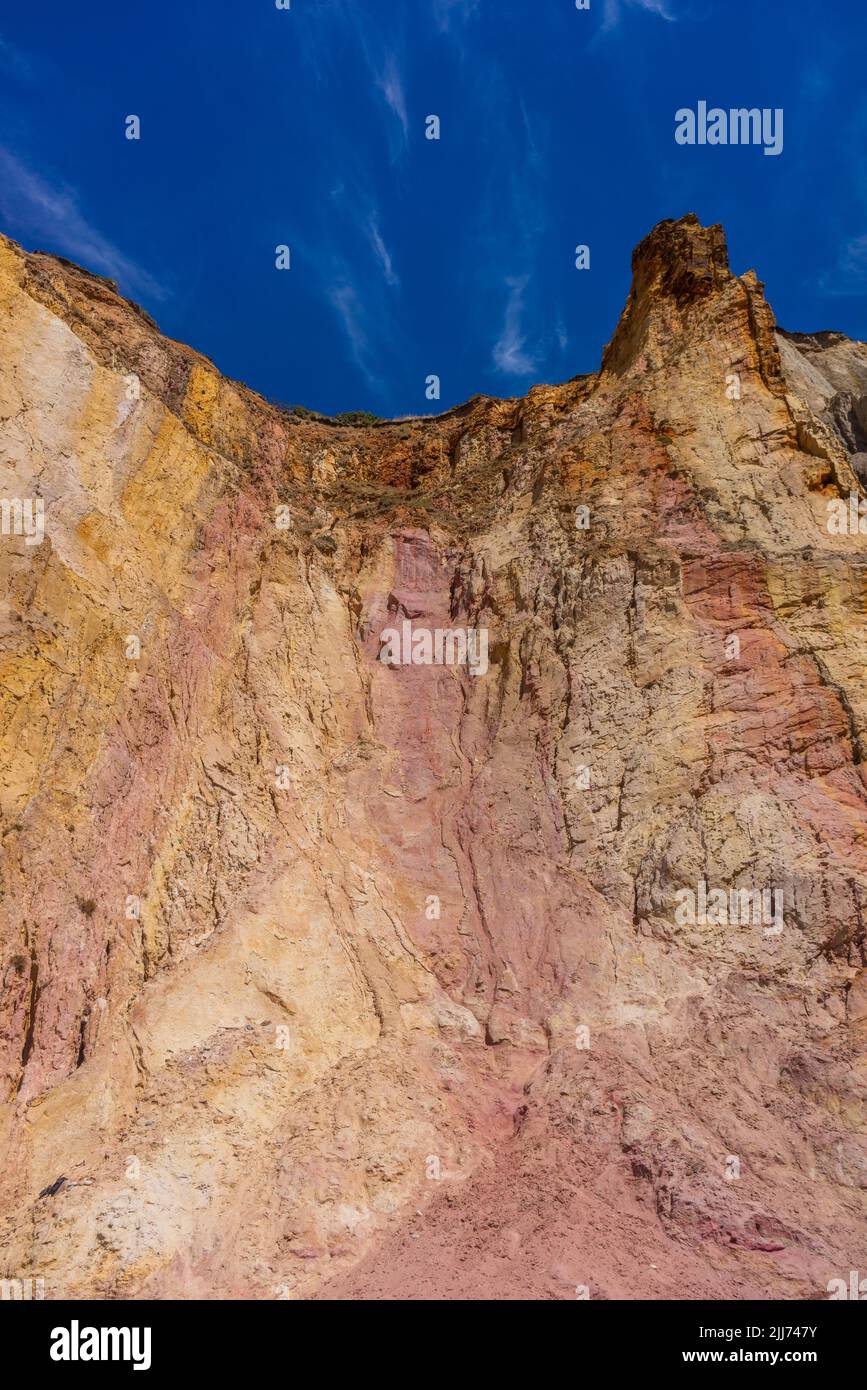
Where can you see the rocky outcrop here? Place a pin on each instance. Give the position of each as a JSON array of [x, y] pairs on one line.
[[329, 975], [830, 372]]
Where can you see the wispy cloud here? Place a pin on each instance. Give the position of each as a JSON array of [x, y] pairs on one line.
[[450, 13], [390, 83], [512, 231], [533, 150], [347, 305], [349, 242], [356, 217], [511, 357], [33, 207], [854, 258], [348, 246], [382, 252], [849, 277], [336, 25], [614, 10]]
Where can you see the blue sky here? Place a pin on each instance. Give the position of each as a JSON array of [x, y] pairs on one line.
[[409, 256]]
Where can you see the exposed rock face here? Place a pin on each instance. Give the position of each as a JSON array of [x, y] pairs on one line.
[[329, 976], [830, 372]]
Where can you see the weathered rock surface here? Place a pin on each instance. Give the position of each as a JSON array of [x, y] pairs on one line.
[[296, 946]]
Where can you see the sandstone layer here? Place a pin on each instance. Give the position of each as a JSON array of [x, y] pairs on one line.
[[329, 977]]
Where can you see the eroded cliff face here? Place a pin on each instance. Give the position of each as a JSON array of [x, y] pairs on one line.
[[329, 976]]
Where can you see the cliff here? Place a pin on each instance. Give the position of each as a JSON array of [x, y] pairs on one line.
[[324, 975]]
